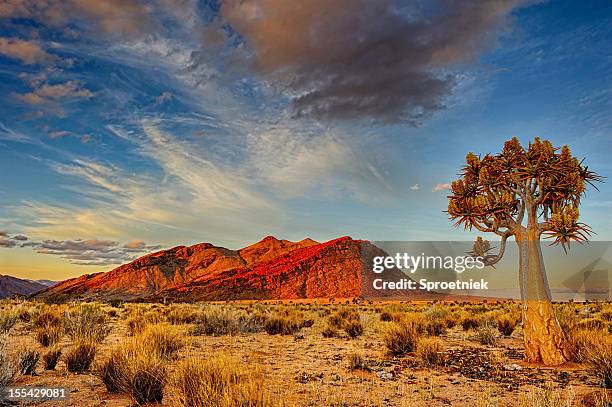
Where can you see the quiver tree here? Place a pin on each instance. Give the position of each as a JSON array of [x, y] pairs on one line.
[[528, 194]]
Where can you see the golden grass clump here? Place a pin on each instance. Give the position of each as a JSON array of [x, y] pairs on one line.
[[51, 357], [80, 356], [86, 322], [218, 382], [135, 370], [7, 368], [48, 336], [356, 361], [400, 338], [486, 335], [7, 321], [430, 351], [599, 356], [469, 322], [162, 339], [506, 324]]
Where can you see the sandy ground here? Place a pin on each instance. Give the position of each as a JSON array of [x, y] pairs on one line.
[[310, 370]]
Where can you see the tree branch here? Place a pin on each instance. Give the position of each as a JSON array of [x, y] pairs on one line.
[[491, 260]]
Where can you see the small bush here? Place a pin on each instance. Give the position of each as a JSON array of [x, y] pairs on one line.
[[51, 357], [592, 324], [28, 359], [47, 318], [218, 382], [48, 336], [506, 325], [401, 338], [182, 315], [136, 371], [87, 322], [80, 356], [7, 368], [353, 328], [468, 323], [430, 351], [356, 361], [436, 327], [7, 321], [581, 341], [599, 356], [341, 317], [386, 316], [163, 339], [330, 332], [284, 325], [486, 336]]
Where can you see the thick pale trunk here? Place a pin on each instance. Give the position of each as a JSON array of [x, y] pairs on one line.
[[544, 340]]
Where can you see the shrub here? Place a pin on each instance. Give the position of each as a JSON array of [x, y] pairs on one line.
[[216, 322], [430, 351], [51, 357], [599, 356], [329, 332], [7, 321], [284, 325], [353, 328], [47, 318], [88, 322], [163, 339], [27, 362], [506, 325], [468, 323], [606, 315], [135, 325], [80, 356], [592, 324], [7, 368], [386, 316], [341, 317], [182, 315], [435, 327], [218, 382], [356, 361], [486, 336], [401, 338], [48, 336], [136, 371], [581, 341]]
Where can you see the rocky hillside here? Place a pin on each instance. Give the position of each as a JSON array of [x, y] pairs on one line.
[[11, 286], [269, 269]]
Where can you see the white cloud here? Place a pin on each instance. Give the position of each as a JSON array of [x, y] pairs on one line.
[[415, 187], [441, 187]]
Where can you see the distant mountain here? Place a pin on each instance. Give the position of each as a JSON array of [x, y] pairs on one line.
[[269, 269], [10, 286]]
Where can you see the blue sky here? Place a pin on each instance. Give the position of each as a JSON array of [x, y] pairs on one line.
[[128, 126]]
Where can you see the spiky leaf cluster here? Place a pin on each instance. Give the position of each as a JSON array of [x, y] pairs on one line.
[[495, 191]]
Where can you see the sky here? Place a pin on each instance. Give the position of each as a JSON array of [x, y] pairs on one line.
[[129, 126]]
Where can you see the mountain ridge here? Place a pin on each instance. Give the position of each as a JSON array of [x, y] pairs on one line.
[[269, 269]]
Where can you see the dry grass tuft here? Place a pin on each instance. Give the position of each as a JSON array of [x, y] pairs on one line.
[[28, 359], [356, 361], [430, 351], [599, 356], [162, 339], [136, 371], [400, 338], [51, 357], [506, 324], [80, 356], [218, 382], [86, 322]]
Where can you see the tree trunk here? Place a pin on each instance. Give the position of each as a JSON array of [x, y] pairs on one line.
[[544, 340]]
